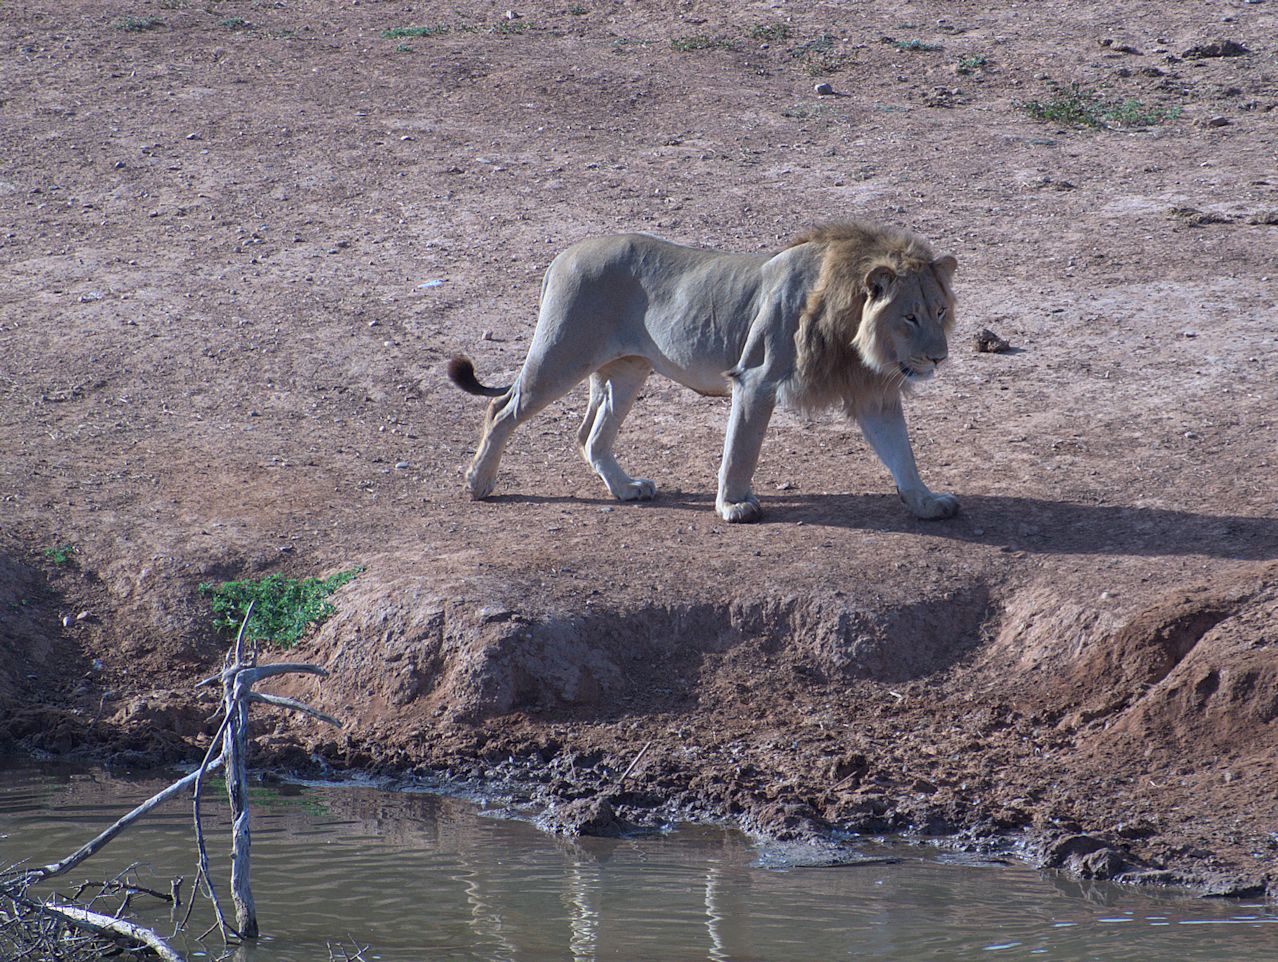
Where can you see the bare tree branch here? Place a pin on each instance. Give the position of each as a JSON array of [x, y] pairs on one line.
[[281, 702], [92, 847]]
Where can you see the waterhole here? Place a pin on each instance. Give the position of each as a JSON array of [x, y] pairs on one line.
[[409, 876]]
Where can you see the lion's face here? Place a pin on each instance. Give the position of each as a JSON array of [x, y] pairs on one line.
[[906, 320]]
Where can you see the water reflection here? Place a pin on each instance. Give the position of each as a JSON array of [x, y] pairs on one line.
[[416, 876]]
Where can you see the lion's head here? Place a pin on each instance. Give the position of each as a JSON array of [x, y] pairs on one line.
[[876, 320]]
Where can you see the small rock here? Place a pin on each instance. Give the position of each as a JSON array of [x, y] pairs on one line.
[[83, 616], [1216, 48], [401, 465], [588, 816], [987, 342], [193, 136], [1217, 122], [1199, 218], [823, 89], [486, 336], [120, 165], [511, 15]]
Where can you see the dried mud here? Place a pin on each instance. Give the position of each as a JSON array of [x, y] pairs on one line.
[[236, 256]]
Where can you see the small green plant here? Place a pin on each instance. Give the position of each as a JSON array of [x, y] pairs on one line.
[[510, 27], [399, 33], [138, 24], [700, 41], [234, 23], [577, 10], [60, 555], [770, 32], [916, 45], [1132, 113], [972, 64], [403, 48], [819, 55], [1076, 106], [1072, 107], [283, 608]]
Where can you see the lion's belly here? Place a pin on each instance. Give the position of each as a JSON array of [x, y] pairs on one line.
[[687, 311], [698, 332]]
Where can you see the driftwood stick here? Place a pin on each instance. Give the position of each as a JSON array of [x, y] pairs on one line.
[[112, 927], [621, 783], [281, 702], [92, 847], [235, 750]]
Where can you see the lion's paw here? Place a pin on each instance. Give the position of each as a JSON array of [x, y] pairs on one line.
[[479, 488], [931, 506], [740, 512], [636, 489]]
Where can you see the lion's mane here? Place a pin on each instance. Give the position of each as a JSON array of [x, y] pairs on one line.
[[834, 340]]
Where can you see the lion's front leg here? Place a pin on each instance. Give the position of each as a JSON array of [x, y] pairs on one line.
[[885, 430], [751, 411]]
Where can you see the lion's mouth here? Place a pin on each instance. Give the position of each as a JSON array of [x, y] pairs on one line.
[[913, 374]]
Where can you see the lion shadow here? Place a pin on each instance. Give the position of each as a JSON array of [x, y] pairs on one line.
[[1032, 525], [1037, 526]]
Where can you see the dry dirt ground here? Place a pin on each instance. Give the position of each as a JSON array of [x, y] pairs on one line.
[[239, 240]]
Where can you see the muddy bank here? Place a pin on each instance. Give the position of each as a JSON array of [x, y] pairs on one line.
[[1026, 723]]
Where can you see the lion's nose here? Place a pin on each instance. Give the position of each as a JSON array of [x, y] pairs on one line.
[[938, 360]]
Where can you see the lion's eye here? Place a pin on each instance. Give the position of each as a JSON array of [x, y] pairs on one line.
[[911, 320], [941, 312]]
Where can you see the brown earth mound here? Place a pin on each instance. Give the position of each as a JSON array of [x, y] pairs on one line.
[[238, 252]]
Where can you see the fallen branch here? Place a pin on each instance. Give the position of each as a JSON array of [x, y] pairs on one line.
[[96, 845], [110, 927]]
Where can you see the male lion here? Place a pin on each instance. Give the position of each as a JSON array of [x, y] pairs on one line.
[[848, 314]]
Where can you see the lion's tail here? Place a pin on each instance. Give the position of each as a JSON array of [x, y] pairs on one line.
[[461, 371]]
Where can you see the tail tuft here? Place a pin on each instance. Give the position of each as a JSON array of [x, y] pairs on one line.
[[461, 371]]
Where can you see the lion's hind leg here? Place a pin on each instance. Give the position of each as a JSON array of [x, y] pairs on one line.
[[539, 384], [613, 389]]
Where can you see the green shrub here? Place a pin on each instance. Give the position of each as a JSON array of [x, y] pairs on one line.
[[283, 608], [60, 555]]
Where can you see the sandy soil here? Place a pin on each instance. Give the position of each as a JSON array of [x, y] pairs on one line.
[[238, 245]]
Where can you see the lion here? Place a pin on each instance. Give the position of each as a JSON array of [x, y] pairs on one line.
[[848, 314]]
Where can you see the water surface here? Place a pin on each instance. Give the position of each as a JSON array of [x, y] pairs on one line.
[[415, 876]]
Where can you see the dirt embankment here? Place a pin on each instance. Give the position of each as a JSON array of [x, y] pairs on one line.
[[237, 250]]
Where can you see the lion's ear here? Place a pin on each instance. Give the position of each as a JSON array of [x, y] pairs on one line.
[[879, 281], [946, 265]]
